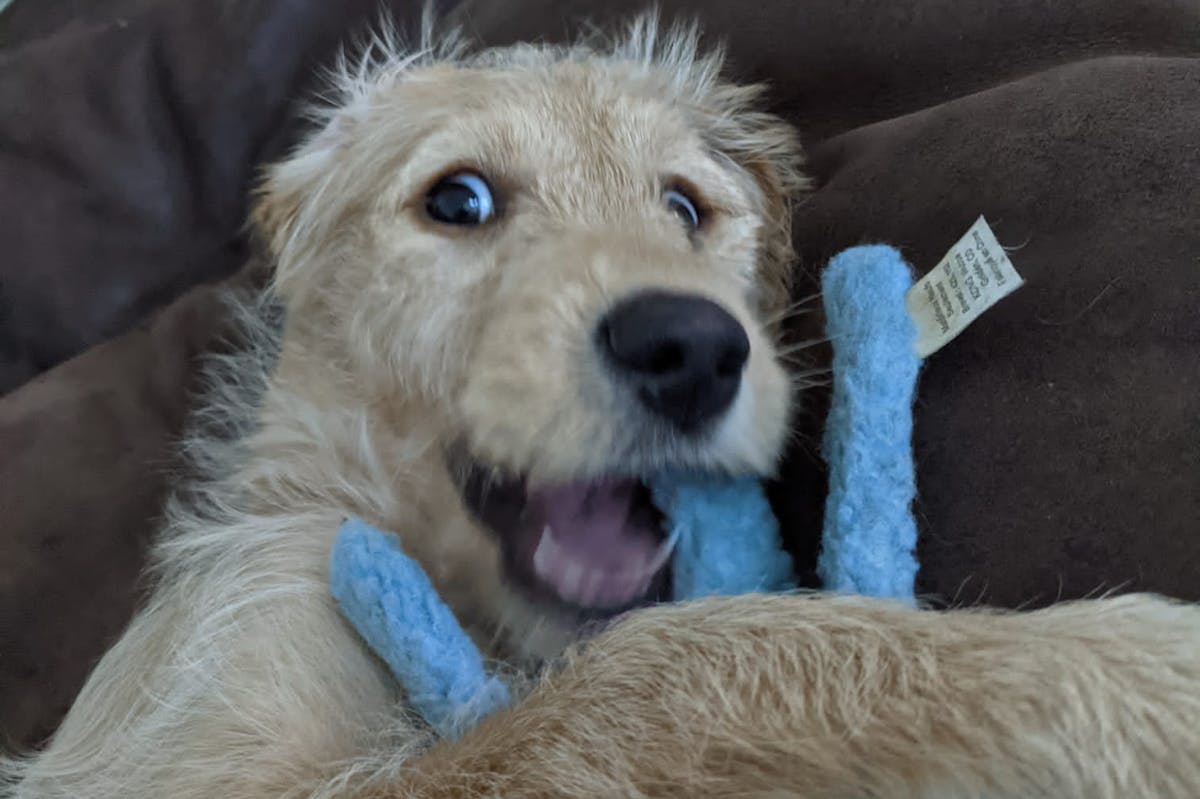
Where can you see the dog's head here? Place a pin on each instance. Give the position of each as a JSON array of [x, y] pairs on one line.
[[571, 258]]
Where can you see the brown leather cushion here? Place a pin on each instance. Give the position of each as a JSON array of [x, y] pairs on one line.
[[87, 454], [1057, 440]]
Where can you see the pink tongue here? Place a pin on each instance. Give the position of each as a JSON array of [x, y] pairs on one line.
[[599, 553]]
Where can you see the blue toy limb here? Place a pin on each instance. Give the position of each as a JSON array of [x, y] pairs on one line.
[[870, 534], [389, 599], [727, 537]]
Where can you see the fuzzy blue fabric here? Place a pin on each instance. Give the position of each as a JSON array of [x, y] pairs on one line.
[[727, 538], [389, 599], [869, 534]]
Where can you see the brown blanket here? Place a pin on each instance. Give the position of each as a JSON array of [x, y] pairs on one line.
[[1057, 441]]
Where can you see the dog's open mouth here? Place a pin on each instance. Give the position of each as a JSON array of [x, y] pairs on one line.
[[597, 546]]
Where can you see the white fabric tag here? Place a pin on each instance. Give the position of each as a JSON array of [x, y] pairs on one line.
[[975, 275]]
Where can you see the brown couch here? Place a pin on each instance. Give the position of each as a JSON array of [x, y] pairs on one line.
[[1057, 440]]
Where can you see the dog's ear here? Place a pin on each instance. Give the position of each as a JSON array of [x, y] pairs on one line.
[[272, 215], [779, 180], [768, 151], [284, 216]]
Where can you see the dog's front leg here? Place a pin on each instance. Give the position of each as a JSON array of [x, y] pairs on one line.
[[823, 697]]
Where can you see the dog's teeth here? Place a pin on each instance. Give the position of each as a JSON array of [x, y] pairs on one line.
[[545, 554], [594, 585], [572, 576]]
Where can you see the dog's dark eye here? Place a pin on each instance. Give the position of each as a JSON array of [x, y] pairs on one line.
[[462, 199], [684, 207]]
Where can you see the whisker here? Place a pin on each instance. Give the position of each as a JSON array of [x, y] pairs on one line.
[[792, 348], [803, 382], [794, 309], [808, 298]]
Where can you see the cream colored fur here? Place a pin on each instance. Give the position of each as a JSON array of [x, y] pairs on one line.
[[238, 679], [826, 698]]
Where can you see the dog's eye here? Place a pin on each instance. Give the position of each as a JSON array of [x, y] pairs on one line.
[[462, 199], [684, 207]]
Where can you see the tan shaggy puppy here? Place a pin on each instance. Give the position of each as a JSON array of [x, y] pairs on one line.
[[518, 282]]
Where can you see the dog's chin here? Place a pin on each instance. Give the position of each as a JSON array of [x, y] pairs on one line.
[[586, 549]]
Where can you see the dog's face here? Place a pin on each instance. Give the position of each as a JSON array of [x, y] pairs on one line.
[[568, 261]]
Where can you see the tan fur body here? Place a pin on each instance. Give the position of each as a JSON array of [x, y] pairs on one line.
[[239, 679], [827, 698]]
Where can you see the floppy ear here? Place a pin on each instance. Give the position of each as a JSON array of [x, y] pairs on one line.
[[767, 151], [775, 168], [300, 200], [282, 214], [272, 213]]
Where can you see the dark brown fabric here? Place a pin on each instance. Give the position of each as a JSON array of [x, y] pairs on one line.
[[127, 148], [24, 21], [28, 20], [840, 65], [86, 453], [1057, 440]]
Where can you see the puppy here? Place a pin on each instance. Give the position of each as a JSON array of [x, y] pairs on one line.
[[517, 282]]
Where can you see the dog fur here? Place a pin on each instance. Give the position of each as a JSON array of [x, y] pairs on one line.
[[827, 698], [401, 339]]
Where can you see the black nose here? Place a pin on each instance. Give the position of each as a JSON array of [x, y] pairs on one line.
[[683, 354]]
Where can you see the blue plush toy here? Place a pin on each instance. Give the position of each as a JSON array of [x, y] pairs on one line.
[[727, 537], [869, 536]]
